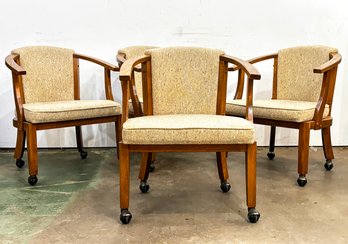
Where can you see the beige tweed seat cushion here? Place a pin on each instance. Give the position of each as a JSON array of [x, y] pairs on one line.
[[44, 112], [285, 110], [188, 129]]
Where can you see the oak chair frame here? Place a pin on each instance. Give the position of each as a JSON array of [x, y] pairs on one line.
[[329, 71], [126, 75], [27, 129]]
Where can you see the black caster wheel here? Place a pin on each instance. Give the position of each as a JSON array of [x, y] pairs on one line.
[[225, 186], [83, 154], [32, 180], [328, 165], [19, 163], [125, 216], [253, 215], [302, 180], [152, 167], [271, 155], [144, 186]]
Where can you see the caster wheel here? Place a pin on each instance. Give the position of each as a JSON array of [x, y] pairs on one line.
[[19, 163], [253, 215], [32, 180], [83, 154], [144, 186], [271, 155], [125, 216], [302, 180], [225, 186], [152, 167], [328, 165]]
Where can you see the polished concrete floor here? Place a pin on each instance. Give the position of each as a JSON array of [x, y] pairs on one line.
[[77, 201]]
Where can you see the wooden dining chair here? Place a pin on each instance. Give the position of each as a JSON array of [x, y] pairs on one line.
[[47, 95], [184, 110], [303, 87]]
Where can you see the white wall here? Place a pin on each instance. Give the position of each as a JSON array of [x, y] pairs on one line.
[[241, 28]]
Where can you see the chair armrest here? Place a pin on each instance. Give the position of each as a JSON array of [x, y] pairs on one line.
[[250, 70], [254, 60], [334, 61], [97, 61], [13, 66], [121, 58], [129, 66]]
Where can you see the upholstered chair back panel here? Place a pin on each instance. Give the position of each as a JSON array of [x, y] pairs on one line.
[[50, 74], [131, 52], [295, 77], [184, 80]]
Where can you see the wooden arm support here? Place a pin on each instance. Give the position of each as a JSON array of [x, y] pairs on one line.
[[327, 89], [126, 77], [255, 60], [121, 58], [250, 71], [13, 66], [334, 61], [97, 61], [252, 74]]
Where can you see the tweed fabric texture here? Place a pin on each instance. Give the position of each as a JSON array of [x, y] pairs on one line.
[[44, 112], [285, 110], [188, 129], [50, 74], [131, 52], [295, 77], [184, 80]]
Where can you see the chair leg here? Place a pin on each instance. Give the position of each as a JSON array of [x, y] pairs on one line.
[[327, 147], [250, 176], [303, 153], [125, 215], [271, 153], [118, 128], [79, 142], [152, 164], [20, 145], [146, 159], [221, 160], [32, 154]]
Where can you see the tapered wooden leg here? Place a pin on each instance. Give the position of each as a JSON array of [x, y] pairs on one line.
[[32, 154], [146, 160], [118, 128], [124, 176], [271, 153], [327, 147], [20, 145], [144, 166], [221, 161], [125, 215], [303, 153], [250, 177], [79, 142], [250, 172], [152, 164]]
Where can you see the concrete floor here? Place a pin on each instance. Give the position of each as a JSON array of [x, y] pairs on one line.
[[77, 201]]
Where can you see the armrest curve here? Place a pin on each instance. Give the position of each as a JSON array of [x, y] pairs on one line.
[[13, 66]]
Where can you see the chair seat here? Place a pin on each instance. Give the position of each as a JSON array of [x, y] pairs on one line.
[[44, 112], [285, 110], [188, 129]]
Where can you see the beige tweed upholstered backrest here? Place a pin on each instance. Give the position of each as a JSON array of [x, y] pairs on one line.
[[184, 80], [131, 52], [49, 73], [295, 77]]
